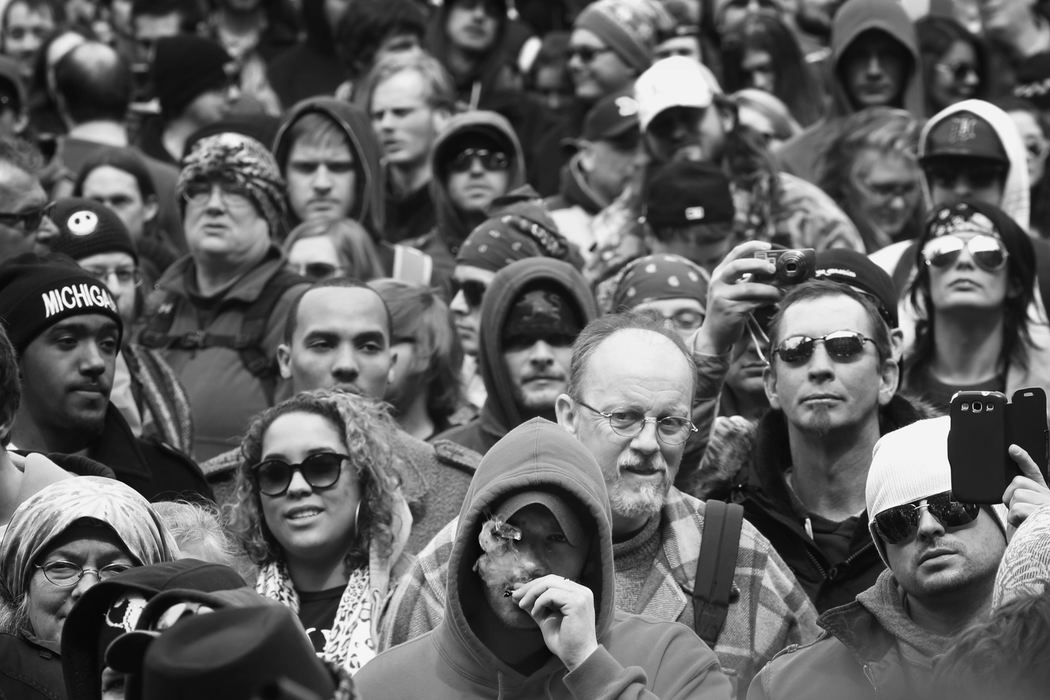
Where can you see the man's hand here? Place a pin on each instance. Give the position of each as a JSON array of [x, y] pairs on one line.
[[564, 611], [730, 300], [1026, 492]]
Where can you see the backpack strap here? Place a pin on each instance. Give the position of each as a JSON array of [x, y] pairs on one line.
[[715, 568], [248, 340]]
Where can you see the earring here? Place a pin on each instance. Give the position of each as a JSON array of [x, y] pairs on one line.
[[357, 519]]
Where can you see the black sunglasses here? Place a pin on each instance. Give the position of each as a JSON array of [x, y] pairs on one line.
[[586, 54], [473, 292], [492, 161], [959, 71], [978, 178], [841, 346], [316, 271], [898, 524], [28, 221], [321, 471]]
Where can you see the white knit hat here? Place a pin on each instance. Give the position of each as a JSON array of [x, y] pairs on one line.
[[908, 465], [1025, 567]]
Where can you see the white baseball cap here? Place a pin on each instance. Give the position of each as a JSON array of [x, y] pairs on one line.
[[676, 81]]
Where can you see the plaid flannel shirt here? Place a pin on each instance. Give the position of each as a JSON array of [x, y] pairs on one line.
[[768, 610]]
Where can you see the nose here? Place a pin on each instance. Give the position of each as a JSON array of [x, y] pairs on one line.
[[459, 304], [92, 362], [820, 364], [89, 579], [541, 354], [386, 120], [929, 526], [961, 188], [475, 167], [345, 368], [298, 485], [214, 203], [322, 178], [646, 441], [874, 65]]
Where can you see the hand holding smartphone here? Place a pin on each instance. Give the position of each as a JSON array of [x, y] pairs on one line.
[[983, 426]]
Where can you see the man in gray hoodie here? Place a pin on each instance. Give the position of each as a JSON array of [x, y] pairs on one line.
[[942, 557]]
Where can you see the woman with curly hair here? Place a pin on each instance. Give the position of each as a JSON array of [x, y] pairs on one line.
[[871, 170], [318, 508]]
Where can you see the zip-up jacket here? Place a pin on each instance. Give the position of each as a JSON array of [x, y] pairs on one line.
[[870, 648], [756, 476]]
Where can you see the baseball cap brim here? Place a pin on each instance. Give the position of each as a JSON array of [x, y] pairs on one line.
[[570, 524]]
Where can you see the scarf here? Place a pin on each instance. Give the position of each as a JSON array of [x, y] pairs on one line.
[[351, 643]]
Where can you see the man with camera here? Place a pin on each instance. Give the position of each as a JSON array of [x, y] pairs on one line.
[[942, 556], [831, 382]]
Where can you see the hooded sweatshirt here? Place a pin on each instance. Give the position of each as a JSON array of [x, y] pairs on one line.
[[637, 657], [870, 648], [1016, 195], [801, 154], [453, 225], [500, 411], [368, 208], [311, 67]]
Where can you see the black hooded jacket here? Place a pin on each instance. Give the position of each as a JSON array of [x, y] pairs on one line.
[[501, 411]]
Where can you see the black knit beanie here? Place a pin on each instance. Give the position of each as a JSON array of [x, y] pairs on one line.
[[87, 227], [185, 67], [38, 292]]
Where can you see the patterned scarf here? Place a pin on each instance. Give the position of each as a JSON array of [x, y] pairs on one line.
[[351, 643]]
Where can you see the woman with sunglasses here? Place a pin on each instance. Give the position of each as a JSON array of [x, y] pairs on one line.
[[954, 62], [975, 277], [319, 510], [59, 543]]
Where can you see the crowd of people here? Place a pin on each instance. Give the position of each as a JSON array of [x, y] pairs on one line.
[[331, 333]]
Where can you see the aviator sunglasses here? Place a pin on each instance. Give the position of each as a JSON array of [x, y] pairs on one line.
[[986, 251], [321, 471], [898, 524], [841, 346]]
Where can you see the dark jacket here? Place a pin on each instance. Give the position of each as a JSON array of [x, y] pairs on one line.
[[758, 483], [408, 216], [223, 393], [156, 470], [637, 656], [501, 411], [801, 155], [369, 208], [870, 648], [30, 670], [311, 67], [453, 225]]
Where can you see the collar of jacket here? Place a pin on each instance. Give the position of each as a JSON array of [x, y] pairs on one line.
[[180, 279]]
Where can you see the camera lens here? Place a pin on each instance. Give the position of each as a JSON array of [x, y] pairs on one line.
[[978, 406]]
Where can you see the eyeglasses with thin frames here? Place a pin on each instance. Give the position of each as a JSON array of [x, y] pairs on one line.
[[670, 430], [66, 574]]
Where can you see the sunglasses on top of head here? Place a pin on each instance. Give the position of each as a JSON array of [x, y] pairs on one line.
[[898, 524]]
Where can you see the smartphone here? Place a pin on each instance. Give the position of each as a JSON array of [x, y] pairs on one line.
[[1026, 426], [977, 443]]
